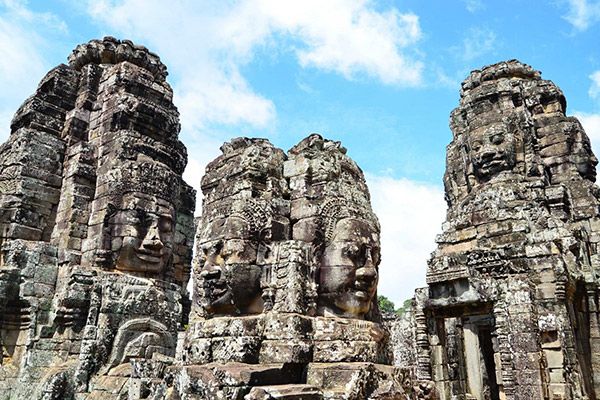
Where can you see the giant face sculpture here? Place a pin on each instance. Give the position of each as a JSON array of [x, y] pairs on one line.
[[143, 234], [491, 149], [229, 279], [348, 270], [581, 154]]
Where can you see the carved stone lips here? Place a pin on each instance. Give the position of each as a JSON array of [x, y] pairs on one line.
[[361, 294], [216, 288], [492, 163], [218, 292], [149, 257]]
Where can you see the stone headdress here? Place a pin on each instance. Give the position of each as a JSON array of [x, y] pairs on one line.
[[548, 145], [326, 186]]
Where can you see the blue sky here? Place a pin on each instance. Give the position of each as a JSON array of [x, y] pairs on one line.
[[381, 76]]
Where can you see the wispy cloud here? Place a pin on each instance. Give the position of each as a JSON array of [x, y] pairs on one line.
[[206, 44], [473, 6], [591, 124], [22, 45], [477, 42], [582, 13], [18, 9], [445, 80], [594, 91], [411, 214]]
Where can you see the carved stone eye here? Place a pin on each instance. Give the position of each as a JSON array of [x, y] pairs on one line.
[[476, 145], [375, 255], [211, 249], [497, 138], [352, 251], [226, 253], [165, 224]]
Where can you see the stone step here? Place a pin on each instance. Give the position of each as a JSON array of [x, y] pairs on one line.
[[240, 374], [284, 392]]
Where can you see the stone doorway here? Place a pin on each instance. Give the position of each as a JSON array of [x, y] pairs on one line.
[[480, 363]]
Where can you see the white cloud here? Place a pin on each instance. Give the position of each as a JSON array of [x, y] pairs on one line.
[[18, 9], [200, 153], [473, 5], [447, 81], [583, 13], [411, 214], [5, 118], [591, 124], [206, 43], [594, 91], [350, 38], [478, 42], [22, 64]]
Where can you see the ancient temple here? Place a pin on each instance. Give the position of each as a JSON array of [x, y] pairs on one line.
[[510, 311], [285, 280], [96, 237], [97, 232], [96, 226]]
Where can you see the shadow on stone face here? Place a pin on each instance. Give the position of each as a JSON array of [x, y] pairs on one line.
[[95, 224], [516, 264]]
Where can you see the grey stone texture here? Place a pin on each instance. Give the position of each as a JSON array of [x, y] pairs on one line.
[[510, 311], [96, 227], [96, 236], [285, 278], [97, 232]]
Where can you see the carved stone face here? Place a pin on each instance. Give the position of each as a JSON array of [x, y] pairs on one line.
[[143, 234], [229, 277], [348, 272], [491, 150], [583, 157]]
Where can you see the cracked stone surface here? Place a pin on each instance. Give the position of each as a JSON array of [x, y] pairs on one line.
[[97, 232], [96, 238], [510, 309], [96, 226]]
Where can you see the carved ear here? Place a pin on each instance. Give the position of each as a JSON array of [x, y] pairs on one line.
[[265, 235], [111, 211]]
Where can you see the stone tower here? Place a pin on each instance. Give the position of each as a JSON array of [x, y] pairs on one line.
[[96, 226], [510, 311], [285, 281]]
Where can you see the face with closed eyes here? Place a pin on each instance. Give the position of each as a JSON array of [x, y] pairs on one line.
[[143, 234], [583, 157], [491, 150], [229, 279], [349, 270]]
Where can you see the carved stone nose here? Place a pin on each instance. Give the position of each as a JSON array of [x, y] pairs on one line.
[[210, 272], [488, 152], [367, 273], [152, 239]]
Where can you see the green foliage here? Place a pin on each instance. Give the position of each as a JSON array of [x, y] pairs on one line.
[[406, 306], [388, 306], [385, 304]]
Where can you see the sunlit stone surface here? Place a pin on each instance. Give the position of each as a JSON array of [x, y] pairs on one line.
[[96, 227], [510, 311], [97, 232]]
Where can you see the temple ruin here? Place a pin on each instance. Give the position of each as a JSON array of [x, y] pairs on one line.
[[96, 226], [98, 243], [510, 311]]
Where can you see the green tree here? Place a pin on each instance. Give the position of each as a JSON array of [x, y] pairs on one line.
[[385, 304], [406, 305]]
